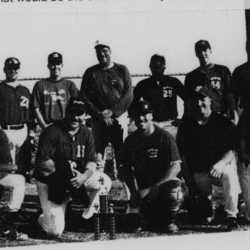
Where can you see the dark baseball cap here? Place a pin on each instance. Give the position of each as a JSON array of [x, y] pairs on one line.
[[141, 108], [76, 104], [55, 58], [157, 57], [12, 62], [202, 44], [101, 44], [203, 91]]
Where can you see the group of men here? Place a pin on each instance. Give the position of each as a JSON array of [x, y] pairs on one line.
[[153, 161]]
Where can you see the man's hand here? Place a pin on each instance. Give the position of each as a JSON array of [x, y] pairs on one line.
[[78, 180], [108, 122], [106, 115], [217, 169], [135, 200], [235, 119]]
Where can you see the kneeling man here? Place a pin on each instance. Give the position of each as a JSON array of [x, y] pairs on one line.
[[66, 169], [151, 158]]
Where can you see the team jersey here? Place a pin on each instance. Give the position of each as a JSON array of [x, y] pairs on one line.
[[162, 96], [56, 144], [14, 104], [150, 156], [52, 98], [241, 85], [204, 145], [107, 89], [217, 80]]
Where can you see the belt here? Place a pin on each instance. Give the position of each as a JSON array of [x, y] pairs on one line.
[[12, 127]]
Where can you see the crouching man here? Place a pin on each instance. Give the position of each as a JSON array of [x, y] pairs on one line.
[[66, 170], [151, 158], [206, 142]]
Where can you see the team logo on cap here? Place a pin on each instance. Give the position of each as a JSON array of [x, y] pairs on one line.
[[198, 88], [55, 55]]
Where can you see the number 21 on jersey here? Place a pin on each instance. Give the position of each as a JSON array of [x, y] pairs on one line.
[[80, 151], [24, 102]]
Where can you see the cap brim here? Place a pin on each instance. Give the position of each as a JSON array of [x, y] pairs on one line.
[[101, 46]]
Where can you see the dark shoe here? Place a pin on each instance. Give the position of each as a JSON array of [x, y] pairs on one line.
[[232, 223], [21, 216]]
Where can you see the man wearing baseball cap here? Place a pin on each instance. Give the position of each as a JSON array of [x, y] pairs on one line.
[[216, 78], [52, 95], [107, 91], [206, 143], [66, 160], [150, 156], [161, 92]]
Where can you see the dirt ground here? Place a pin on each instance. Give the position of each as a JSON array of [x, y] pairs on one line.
[[84, 231]]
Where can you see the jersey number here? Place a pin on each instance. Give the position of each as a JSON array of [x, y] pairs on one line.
[[80, 151], [24, 102], [167, 93]]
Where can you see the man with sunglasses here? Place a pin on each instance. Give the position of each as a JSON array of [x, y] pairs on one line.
[[107, 91], [161, 92], [66, 161], [51, 96], [16, 123]]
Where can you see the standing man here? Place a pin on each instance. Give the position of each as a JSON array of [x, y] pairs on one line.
[[150, 156], [51, 96], [66, 160], [107, 91], [206, 145], [216, 78], [241, 82], [161, 92]]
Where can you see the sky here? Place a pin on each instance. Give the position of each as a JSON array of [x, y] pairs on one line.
[[135, 30]]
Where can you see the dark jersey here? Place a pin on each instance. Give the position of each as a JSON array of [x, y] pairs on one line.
[[149, 156], [204, 145], [217, 80], [162, 96], [107, 89], [241, 85], [52, 98], [14, 104], [56, 144]]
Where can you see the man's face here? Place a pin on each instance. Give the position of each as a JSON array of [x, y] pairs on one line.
[[157, 66], [204, 55], [143, 121], [74, 118], [55, 69], [202, 105], [103, 55], [12, 70]]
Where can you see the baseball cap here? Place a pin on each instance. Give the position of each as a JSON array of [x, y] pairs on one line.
[[12, 63], [76, 106], [101, 44], [142, 108], [157, 57], [203, 91], [201, 45], [55, 58]]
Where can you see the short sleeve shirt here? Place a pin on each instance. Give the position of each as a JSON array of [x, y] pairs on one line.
[[151, 156]]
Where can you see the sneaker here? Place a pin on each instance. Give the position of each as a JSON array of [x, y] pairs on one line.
[[13, 234], [170, 228], [232, 223]]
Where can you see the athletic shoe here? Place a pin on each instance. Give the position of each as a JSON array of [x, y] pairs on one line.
[[170, 228], [232, 223]]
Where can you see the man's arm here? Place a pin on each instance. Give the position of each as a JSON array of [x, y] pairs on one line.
[[40, 119], [218, 168], [127, 95], [236, 86]]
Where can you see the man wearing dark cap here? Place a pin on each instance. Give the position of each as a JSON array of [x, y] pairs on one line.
[[51, 96], [16, 123], [66, 160], [150, 156], [206, 143], [107, 91], [161, 92], [216, 78]]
